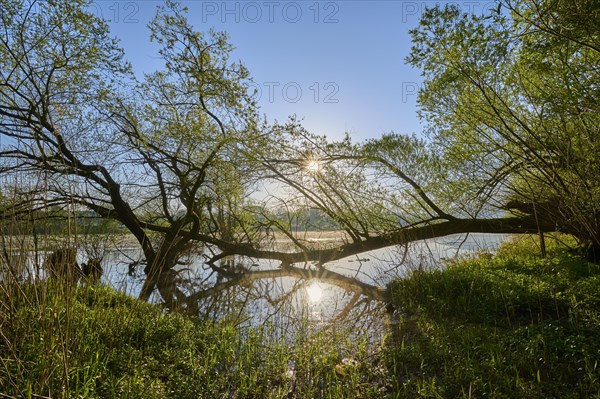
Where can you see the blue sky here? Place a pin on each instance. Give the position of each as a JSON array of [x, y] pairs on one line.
[[338, 65]]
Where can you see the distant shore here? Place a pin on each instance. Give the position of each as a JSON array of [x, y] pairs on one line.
[[14, 243]]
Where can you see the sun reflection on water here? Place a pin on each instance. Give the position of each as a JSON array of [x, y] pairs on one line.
[[314, 292]]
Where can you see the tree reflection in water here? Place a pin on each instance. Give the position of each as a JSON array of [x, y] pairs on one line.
[[283, 297]]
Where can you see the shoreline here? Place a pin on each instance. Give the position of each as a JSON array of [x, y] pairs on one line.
[[20, 243]]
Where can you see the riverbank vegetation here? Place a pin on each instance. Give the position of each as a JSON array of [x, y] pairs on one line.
[[513, 325], [92, 342], [509, 325]]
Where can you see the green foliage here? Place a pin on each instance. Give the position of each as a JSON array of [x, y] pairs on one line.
[[512, 325], [512, 105]]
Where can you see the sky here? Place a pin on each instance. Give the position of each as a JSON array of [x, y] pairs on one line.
[[339, 66]]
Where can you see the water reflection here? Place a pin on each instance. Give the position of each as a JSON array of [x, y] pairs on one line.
[[314, 292], [263, 293], [260, 293]]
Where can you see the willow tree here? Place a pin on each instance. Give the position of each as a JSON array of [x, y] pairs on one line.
[[512, 104], [161, 155], [172, 157], [512, 109]]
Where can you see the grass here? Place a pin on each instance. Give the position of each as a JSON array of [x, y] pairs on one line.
[[91, 342], [510, 326], [513, 325]]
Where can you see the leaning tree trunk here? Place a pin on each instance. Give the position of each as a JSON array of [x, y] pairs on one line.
[[160, 275]]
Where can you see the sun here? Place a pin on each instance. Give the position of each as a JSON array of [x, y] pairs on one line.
[[313, 166]]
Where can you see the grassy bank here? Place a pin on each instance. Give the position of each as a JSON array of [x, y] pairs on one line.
[[91, 342], [510, 326]]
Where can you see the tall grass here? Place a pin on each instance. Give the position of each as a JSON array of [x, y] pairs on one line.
[[91, 342], [63, 339]]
